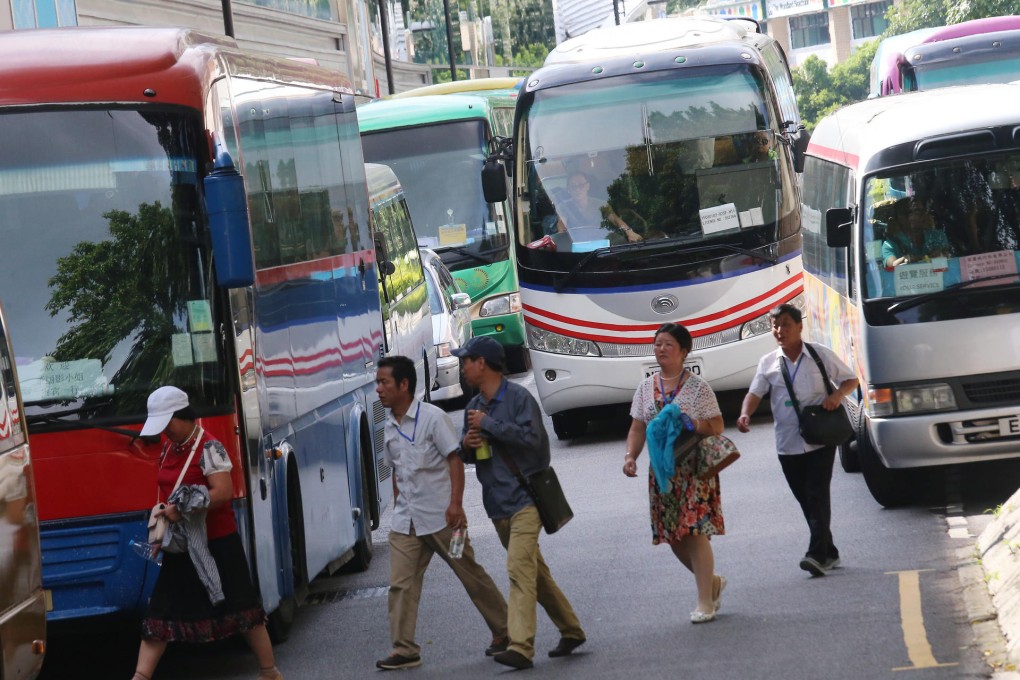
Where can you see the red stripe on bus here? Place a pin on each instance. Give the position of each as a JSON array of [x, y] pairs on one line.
[[835, 155], [644, 341], [304, 270], [637, 328]]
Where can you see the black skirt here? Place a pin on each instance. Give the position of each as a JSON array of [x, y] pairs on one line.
[[180, 609]]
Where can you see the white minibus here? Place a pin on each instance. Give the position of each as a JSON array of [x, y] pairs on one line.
[[910, 224]]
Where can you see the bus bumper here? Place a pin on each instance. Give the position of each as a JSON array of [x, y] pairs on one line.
[[947, 438], [90, 570], [567, 382], [506, 329]]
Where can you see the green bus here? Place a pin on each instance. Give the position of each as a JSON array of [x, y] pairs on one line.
[[436, 144]]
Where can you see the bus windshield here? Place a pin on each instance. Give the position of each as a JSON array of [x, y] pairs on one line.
[[101, 239], [943, 230], [438, 168], [950, 72], [651, 158]]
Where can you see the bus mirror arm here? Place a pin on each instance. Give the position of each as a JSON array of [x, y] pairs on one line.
[[838, 227]]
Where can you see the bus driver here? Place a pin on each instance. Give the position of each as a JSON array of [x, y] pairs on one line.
[[582, 210]]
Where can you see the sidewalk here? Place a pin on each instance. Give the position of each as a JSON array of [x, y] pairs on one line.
[[990, 576]]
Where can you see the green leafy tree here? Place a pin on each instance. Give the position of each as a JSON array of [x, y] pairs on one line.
[[131, 285], [821, 90], [911, 15]]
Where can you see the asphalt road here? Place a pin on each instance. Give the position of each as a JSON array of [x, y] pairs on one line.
[[892, 611]]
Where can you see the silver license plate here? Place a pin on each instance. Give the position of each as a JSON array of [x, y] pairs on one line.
[[693, 363]]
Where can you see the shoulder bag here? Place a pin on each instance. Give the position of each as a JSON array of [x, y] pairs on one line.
[[545, 491], [158, 524], [818, 426]]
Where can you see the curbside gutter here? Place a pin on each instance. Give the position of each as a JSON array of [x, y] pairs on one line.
[[990, 576]]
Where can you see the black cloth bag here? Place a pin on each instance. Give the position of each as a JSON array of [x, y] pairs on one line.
[[818, 426]]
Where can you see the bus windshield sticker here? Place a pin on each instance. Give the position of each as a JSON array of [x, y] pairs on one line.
[[46, 379], [987, 265], [720, 218], [926, 277], [751, 218], [205, 347], [180, 344], [452, 234], [200, 316]]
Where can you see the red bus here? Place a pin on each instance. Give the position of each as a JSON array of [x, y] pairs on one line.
[[135, 256]]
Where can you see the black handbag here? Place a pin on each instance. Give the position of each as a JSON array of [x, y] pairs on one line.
[[818, 426], [546, 493]]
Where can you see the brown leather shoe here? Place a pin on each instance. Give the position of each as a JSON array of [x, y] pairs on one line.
[[513, 659]]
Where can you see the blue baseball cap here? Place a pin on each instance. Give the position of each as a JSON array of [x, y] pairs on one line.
[[482, 346]]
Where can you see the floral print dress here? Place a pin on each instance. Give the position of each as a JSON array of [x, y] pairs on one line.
[[691, 507]]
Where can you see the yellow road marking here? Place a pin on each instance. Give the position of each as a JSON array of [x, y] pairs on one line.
[[912, 621]]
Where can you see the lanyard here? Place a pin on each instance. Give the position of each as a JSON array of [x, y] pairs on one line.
[[672, 395], [414, 432], [796, 367]]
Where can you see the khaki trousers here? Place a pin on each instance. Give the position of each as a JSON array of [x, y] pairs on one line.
[[409, 558], [531, 583]]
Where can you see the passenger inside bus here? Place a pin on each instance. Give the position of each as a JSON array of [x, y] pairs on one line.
[[581, 210], [911, 235]]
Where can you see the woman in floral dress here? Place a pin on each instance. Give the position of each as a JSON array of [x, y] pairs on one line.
[[690, 511]]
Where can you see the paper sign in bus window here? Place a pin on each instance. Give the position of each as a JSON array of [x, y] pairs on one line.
[[200, 316], [720, 218], [180, 349], [1000, 263], [204, 346], [47, 379], [914, 279], [452, 234]]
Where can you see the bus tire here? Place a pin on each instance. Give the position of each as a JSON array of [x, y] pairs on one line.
[[569, 425], [363, 548], [282, 618], [848, 456], [891, 488]]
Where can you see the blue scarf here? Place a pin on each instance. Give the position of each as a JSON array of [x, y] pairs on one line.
[[661, 433]]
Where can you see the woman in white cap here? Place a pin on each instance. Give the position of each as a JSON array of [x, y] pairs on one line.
[[180, 608]]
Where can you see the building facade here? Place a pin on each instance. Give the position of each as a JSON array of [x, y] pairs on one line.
[[829, 29], [338, 34]]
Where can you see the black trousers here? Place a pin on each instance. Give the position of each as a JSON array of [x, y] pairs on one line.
[[809, 476]]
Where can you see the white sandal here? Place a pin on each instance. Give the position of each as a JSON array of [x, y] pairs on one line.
[[702, 617]]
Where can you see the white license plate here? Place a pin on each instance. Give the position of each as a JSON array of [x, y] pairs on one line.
[[1009, 427], [693, 363]]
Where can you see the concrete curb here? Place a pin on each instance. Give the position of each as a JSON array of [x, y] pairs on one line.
[[990, 575]]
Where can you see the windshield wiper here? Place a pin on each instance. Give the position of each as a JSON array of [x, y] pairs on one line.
[[465, 252], [920, 299], [60, 419], [599, 252]]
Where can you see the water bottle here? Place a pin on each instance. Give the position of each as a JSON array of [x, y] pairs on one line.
[[457, 543], [483, 451], [147, 551]]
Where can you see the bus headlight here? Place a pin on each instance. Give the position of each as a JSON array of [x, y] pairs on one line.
[[501, 304], [763, 324], [908, 400], [758, 326], [547, 341]]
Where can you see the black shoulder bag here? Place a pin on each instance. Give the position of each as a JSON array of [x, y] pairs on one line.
[[818, 426], [546, 492]]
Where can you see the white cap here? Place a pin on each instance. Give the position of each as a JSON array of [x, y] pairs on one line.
[[162, 405]]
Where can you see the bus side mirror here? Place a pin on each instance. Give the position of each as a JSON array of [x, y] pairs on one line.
[[801, 139], [387, 268], [226, 206], [838, 226], [493, 181]]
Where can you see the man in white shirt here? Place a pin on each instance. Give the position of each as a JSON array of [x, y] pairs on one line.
[[428, 489], [807, 467]]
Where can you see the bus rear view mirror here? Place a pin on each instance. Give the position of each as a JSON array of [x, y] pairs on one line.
[[493, 181], [227, 209], [387, 268], [801, 139], [838, 224]]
